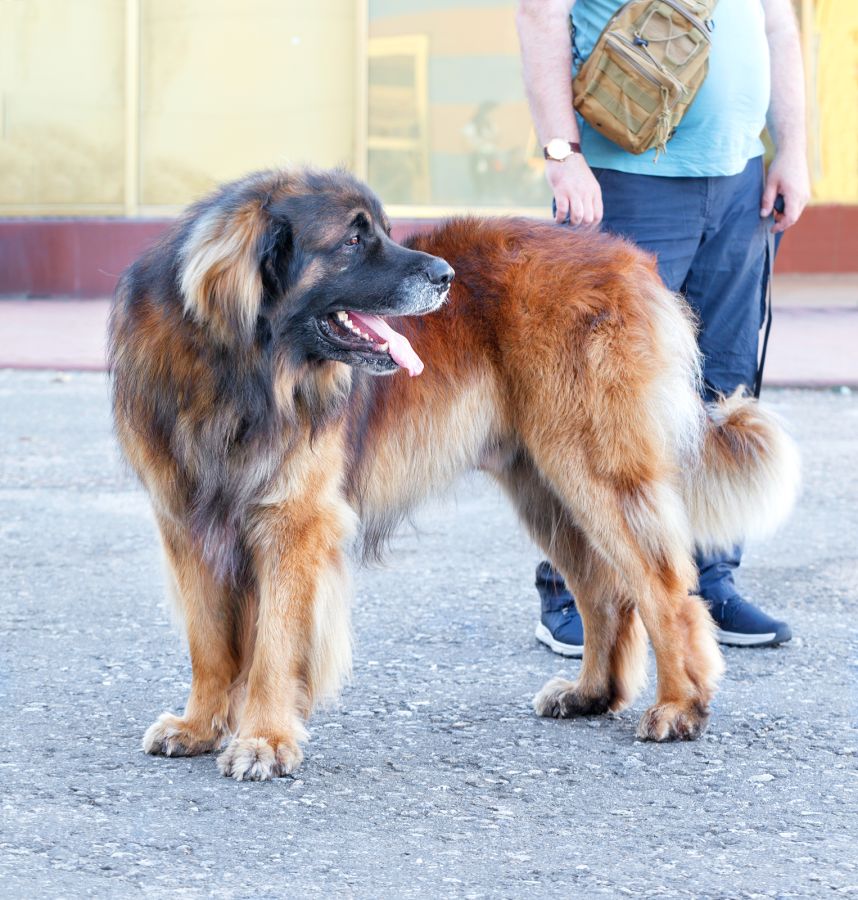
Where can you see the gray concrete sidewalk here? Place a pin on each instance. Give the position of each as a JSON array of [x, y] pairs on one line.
[[814, 336], [433, 778]]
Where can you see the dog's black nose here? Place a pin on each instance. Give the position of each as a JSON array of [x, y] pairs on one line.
[[439, 272]]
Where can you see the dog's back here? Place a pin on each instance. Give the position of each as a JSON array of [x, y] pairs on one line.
[[546, 328]]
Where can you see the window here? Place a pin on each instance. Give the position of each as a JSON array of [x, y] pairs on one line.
[[447, 119]]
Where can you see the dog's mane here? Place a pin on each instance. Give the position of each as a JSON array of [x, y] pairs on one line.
[[251, 404]]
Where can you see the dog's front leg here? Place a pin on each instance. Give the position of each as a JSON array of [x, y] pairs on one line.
[[302, 646], [206, 607]]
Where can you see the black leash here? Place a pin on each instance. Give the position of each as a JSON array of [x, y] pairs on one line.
[[770, 267]]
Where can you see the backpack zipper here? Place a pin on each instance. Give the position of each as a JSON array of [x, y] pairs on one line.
[[698, 23]]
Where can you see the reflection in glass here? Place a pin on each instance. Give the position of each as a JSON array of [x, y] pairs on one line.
[[448, 122]]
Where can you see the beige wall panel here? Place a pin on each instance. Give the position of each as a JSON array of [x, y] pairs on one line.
[[61, 104], [229, 86], [456, 32]]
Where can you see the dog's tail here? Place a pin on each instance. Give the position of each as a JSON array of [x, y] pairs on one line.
[[746, 475]]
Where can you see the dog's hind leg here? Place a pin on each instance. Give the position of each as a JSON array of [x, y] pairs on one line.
[[205, 607], [640, 527], [612, 670]]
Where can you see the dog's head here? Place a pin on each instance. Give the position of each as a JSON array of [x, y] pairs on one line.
[[306, 260]]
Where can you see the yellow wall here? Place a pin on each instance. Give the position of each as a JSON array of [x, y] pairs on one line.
[[227, 87], [216, 88], [834, 101], [61, 105]]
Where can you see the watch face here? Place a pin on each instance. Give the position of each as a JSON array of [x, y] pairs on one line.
[[557, 148]]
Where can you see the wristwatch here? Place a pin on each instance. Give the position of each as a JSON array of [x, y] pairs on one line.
[[559, 149]]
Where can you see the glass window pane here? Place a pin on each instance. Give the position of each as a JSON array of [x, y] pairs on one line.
[[448, 122], [227, 87], [62, 100]]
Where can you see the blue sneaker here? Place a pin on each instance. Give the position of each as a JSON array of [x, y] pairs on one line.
[[562, 631], [560, 626], [740, 624]]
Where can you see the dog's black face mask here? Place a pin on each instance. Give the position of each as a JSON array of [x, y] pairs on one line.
[[331, 273]]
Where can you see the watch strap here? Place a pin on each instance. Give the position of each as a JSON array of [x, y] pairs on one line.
[[573, 148]]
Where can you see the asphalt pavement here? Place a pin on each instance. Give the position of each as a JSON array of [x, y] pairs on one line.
[[432, 778]]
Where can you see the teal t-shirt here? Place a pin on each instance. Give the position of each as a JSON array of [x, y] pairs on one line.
[[721, 129]]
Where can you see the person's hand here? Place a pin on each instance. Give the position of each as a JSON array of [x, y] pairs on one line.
[[788, 176], [576, 191]]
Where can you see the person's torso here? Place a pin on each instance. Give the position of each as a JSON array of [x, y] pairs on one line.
[[721, 129]]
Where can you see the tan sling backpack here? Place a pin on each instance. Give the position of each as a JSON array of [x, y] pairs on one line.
[[645, 70]]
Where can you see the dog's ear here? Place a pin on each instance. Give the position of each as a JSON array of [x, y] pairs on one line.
[[220, 275], [278, 260]]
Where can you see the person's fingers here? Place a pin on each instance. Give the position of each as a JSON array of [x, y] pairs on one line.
[[769, 193], [789, 219], [799, 204], [784, 221], [793, 206], [562, 213], [598, 209], [576, 211], [588, 215]]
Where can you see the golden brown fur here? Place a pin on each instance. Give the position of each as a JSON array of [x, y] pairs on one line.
[[560, 365]]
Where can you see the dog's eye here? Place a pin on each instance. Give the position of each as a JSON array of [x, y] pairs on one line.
[[353, 241]]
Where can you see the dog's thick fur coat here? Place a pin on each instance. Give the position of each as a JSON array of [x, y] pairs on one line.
[[560, 365]]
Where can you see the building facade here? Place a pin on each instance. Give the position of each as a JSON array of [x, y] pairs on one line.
[[133, 108]]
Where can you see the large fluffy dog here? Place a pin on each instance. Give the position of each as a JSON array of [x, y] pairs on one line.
[[244, 348]]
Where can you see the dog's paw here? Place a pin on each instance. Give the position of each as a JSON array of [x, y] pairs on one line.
[[174, 736], [258, 759], [673, 722], [561, 699]]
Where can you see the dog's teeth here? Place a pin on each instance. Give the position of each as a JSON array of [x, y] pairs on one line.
[[342, 317], [383, 347]]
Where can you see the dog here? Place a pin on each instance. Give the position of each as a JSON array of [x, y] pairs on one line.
[[245, 350]]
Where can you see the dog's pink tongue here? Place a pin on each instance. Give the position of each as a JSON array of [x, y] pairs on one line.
[[399, 349]]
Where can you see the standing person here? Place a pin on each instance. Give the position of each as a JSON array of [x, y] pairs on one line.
[[703, 209]]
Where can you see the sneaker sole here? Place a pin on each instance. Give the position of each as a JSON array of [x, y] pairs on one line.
[[737, 639], [544, 636], [729, 638]]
